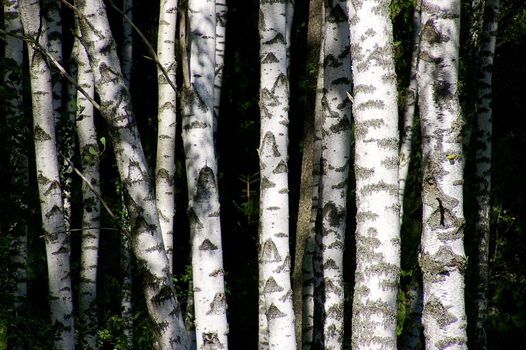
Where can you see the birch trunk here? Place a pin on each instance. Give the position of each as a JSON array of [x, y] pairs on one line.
[[376, 170], [274, 259], [221, 12], [167, 109], [335, 153], [147, 244], [442, 258], [56, 238], [89, 151], [201, 169], [483, 169], [409, 112], [18, 158]]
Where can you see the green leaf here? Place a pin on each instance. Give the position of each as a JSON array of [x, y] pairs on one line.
[[93, 151]]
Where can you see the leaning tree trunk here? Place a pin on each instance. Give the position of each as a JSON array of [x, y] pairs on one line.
[[335, 154], [146, 242], [201, 169], [18, 157], [483, 170], [376, 170], [167, 109], [442, 258], [274, 256], [89, 152], [56, 238]]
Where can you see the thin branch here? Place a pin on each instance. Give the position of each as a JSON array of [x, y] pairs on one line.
[[54, 63], [184, 52]]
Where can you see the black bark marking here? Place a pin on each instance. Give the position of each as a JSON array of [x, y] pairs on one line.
[[207, 245], [270, 253], [274, 312], [271, 286], [218, 305]]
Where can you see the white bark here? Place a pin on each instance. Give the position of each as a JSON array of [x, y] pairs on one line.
[[18, 159], [442, 257], [221, 12], [201, 169], [335, 154], [409, 112], [147, 243], [483, 154], [89, 151], [167, 109], [274, 252], [56, 239], [376, 170]]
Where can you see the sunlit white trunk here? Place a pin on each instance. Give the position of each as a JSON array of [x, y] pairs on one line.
[[375, 112], [18, 158], [483, 169], [55, 236], [167, 109], [274, 255], [146, 242], [335, 154], [201, 169], [89, 152], [442, 258]]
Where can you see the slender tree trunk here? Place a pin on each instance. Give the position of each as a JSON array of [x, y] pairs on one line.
[[376, 171], [274, 255], [303, 273], [127, 41], [221, 12], [409, 112], [167, 109], [201, 169], [483, 169], [334, 166], [18, 158], [89, 151], [147, 244], [442, 258], [56, 238]]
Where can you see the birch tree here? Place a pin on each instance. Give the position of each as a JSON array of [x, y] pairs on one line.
[[18, 157], [89, 151], [221, 12], [147, 244], [274, 256], [483, 139], [442, 258], [376, 172], [201, 169], [167, 109], [53, 226], [335, 153]]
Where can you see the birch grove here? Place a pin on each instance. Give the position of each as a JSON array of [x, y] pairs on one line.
[[251, 177]]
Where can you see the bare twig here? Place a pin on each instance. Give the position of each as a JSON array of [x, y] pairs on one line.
[[54, 63]]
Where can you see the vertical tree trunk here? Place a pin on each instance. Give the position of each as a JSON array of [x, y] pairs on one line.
[[303, 273], [201, 170], [89, 151], [127, 41], [335, 154], [167, 109], [274, 255], [409, 111], [442, 257], [146, 242], [18, 158], [56, 238], [221, 12], [376, 170], [483, 169]]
